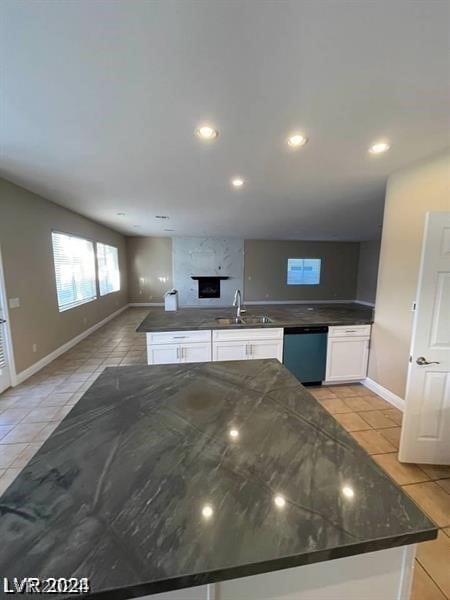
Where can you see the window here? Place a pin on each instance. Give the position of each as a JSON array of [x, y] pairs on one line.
[[303, 271], [108, 269], [74, 269]]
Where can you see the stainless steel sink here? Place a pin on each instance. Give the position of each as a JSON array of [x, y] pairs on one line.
[[229, 321], [248, 320], [256, 320]]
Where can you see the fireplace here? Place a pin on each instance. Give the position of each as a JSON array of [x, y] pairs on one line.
[[209, 287]]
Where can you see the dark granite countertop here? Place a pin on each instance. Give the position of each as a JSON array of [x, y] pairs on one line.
[[282, 315], [120, 491]]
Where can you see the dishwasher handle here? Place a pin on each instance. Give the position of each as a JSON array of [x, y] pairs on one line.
[[306, 329]]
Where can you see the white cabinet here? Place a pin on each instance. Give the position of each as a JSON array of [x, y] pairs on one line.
[[195, 352], [178, 337], [163, 354], [167, 347], [266, 349], [347, 353], [170, 347], [229, 350], [371, 576], [247, 344]]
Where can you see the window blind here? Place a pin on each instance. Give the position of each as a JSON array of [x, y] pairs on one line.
[[2, 347], [303, 271], [74, 270], [108, 269]]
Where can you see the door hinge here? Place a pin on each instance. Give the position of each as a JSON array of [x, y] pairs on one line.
[[410, 358], [413, 307]]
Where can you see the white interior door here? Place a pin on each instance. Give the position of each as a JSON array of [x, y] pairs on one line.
[[426, 422], [5, 374]]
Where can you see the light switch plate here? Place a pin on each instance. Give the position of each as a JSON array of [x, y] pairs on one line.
[[14, 302]]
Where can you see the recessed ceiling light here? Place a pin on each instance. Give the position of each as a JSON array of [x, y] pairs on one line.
[[121, 214], [206, 133], [161, 217], [169, 229], [237, 182], [297, 140], [379, 147]]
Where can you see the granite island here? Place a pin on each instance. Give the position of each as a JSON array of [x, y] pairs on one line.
[[223, 481]]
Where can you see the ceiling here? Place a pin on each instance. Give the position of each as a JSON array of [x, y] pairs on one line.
[[100, 101]]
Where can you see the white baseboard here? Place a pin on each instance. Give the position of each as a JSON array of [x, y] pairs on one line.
[[371, 304], [43, 362], [384, 393], [137, 304]]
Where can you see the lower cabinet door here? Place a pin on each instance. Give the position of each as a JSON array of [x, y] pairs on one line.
[[266, 349], [230, 350], [202, 592], [195, 352], [347, 359], [163, 354]]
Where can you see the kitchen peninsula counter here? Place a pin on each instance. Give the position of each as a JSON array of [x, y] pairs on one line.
[[163, 478], [281, 315]]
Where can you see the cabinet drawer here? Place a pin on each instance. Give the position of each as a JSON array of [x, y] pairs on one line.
[[223, 335], [178, 337], [349, 331]]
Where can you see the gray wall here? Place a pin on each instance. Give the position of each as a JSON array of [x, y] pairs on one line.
[[207, 256], [266, 270], [149, 268], [369, 255], [410, 194], [26, 223]]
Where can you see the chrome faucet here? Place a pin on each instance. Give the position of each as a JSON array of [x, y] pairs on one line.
[[237, 302]]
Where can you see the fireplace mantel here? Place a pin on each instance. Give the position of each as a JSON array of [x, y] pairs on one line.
[[197, 277]]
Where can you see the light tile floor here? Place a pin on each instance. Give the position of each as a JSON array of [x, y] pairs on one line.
[[375, 425], [32, 410]]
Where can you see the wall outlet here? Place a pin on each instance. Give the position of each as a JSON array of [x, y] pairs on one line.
[[14, 302], [34, 346]]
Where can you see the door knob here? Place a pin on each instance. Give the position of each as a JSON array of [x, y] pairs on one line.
[[423, 361]]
